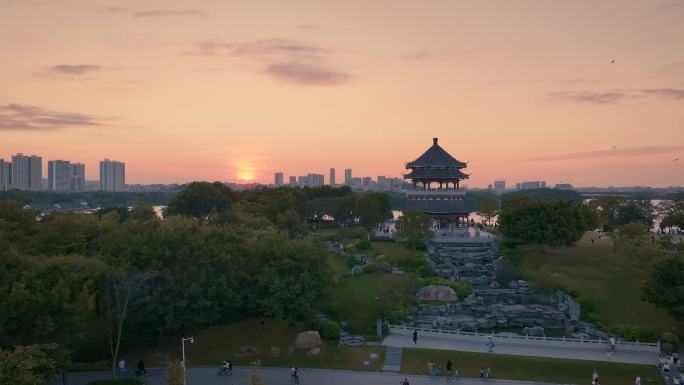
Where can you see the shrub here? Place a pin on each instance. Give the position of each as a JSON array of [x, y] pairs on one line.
[[671, 338], [350, 248], [585, 304], [593, 318], [363, 245], [350, 262], [666, 348], [511, 255], [329, 330], [395, 316], [381, 258], [634, 333]]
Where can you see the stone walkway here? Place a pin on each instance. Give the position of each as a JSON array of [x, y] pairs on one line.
[[648, 358], [280, 376]]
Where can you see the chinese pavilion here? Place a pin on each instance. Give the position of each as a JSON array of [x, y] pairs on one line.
[[436, 177]]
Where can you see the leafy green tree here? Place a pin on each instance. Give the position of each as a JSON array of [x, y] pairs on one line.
[[372, 209], [488, 209], [415, 227], [121, 292], [550, 222], [199, 199], [630, 238], [290, 221], [26, 365], [665, 288], [291, 277]]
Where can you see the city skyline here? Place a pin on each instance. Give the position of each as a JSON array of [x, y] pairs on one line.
[[584, 92]]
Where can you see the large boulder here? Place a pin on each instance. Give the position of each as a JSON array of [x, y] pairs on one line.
[[309, 339], [436, 293]]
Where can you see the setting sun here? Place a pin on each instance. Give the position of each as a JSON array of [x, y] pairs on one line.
[[245, 173]]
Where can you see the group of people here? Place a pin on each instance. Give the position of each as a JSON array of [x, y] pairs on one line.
[[139, 368], [294, 375], [435, 370]]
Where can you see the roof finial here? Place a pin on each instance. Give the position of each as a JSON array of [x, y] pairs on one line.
[[434, 141]]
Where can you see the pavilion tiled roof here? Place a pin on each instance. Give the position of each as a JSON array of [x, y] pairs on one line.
[[436, 173], [435, 156]]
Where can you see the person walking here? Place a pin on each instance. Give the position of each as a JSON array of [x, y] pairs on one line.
[[490, 344], [637, 380], [415, 337], [296, 376], [405, 382], [122, 367], [595, 378], [482, 371], [449, 369], [292, 374], [612, 344]]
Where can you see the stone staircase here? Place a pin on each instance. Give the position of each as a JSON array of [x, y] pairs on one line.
[[393, 358]]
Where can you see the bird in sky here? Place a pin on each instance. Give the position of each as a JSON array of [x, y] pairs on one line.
[[612, 61], [675, 159], [612, 148]]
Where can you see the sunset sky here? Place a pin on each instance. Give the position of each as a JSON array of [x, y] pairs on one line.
[[236, 90]]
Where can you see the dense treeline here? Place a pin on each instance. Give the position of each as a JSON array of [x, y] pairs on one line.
[[217, 256], [93, 198]]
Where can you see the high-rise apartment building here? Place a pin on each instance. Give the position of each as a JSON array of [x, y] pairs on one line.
[[332, 176], [59, 175], [293, 181], [348, 176], [278, 179], [499, 185], [5, 175], [77, 180], [315, 180], [112, 175], [27, 172]]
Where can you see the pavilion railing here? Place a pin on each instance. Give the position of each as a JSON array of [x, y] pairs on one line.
[[583, 343]]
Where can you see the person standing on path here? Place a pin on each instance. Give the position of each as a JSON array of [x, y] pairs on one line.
[[612, 344], [490, 344], [415, 337], [122, 367]]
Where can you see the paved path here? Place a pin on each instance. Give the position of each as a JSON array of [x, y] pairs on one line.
[[280, 376], [394, 340]]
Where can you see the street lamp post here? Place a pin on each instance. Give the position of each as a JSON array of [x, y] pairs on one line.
[[192, 340]]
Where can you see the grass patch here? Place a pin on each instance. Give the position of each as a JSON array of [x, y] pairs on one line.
[[529, 368], [362, 299], [222, 342], [398, 255], [608, 279]]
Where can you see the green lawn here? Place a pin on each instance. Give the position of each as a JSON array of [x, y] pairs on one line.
[[610, 280], [397, 254], [529, 368], [362, 299], [222, 342]]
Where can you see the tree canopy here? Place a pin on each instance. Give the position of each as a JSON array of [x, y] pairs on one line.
[[415, 227], [665, 288], [552, 222]]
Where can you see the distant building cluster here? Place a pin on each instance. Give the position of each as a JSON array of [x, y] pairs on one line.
[[25, 172], [382, 183], [499, 186]]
